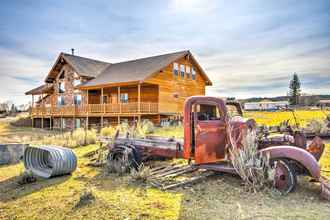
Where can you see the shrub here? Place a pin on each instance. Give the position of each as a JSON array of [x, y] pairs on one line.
[[253, 168], [317, 126], [108, 131], [26, 177], [141, 174], [86, 197], [79, 137]]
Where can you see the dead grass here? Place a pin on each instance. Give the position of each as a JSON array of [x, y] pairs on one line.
[[219, 197]]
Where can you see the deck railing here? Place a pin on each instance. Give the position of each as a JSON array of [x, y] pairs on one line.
[[96, 109]]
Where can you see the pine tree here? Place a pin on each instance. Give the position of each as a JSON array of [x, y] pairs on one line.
[[294, 92]]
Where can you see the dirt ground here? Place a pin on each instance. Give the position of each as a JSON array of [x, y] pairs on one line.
[[118, 197]]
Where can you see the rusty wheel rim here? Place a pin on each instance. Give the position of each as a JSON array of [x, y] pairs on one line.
[[282, 179]]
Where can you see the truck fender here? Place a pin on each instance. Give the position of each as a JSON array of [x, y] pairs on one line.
[[303, 157]]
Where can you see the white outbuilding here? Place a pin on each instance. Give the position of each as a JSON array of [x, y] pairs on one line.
[[266, 105]]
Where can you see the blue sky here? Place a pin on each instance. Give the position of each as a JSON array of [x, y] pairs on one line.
[[248, 48]]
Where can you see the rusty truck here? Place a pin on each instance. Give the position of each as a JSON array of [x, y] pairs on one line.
[[207, 140]]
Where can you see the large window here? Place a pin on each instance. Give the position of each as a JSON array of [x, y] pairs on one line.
[[60, 100], [61, 87], [124, 98], [77, 99], [76, 82], [193, 75], [182, 70], [176, 69], [188, 71]]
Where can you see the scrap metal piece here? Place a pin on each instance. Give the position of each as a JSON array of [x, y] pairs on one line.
[[49, 161]]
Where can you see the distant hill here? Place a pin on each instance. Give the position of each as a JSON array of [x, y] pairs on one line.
[[278, 98]]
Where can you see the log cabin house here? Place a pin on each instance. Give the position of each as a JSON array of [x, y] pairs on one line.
[[80, 91]]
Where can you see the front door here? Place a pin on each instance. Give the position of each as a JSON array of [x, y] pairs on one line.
[[210, 134]]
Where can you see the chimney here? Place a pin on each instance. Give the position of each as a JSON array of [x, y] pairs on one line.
[[72, 51]]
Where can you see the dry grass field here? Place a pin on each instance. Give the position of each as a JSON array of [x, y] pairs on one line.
[[118, 197]]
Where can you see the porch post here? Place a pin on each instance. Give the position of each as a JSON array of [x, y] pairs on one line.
[[87, 105], [32, 119], [118, 99], [42, 112], [139, 102], [102, 102]]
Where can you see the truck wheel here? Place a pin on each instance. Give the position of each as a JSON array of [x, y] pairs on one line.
[[285, 179], [123, 158]]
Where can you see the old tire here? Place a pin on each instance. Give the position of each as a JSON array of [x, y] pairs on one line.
[[123, 158], [285, 179]]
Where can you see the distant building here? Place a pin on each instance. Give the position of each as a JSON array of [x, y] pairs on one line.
[[265, 105], [324, 103]]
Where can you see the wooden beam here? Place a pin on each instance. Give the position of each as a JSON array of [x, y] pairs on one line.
[[87, 110], [139, 98], [102, 102], [43, 108], [118, 99]]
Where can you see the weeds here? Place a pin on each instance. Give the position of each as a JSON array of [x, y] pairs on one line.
[[26, 177], [141, 174], [86, 197], [252, 167], [79, 137]]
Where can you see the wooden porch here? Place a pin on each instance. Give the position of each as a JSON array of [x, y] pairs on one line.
[[122, 109]]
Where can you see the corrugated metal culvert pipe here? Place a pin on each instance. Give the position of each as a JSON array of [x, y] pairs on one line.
[[49, 161]]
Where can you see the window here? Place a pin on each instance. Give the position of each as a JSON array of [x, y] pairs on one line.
[[78, 123], [182, 70], [105, 99], [60, 100], [208, 112], [176, 69], [77, 99], [61, 87], [188, 69], [76, 82], [124, 98], [193, 75]]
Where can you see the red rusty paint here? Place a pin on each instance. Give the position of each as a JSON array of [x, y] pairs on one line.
[[206, 138], [316, 148], [297, 154], [210, 141]]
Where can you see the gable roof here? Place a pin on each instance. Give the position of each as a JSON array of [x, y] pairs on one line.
[[139, 69], [86, 66], [82, 65], [46, 88]]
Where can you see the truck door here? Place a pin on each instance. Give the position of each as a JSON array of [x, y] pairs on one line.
[[210, 133]]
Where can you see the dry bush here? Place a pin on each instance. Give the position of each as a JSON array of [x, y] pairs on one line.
[[86, 197], [108, 131], [317, 126], [141, 174], [252, 167], [79, 137], [26, 177]]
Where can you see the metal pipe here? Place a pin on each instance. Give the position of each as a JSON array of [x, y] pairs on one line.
[[49, 161]]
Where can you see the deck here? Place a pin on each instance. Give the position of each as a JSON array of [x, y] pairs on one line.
[[96, 109]]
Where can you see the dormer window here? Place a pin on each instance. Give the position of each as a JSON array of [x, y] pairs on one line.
[[76, 82], [176, 69], [182, 70], [61, 87], [193, 75], [188, 71]]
